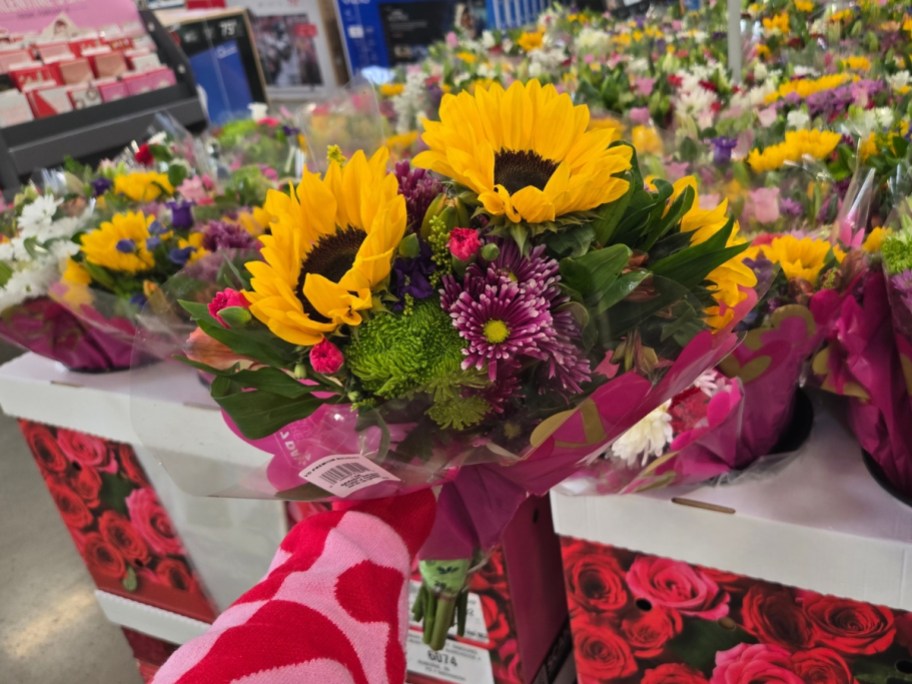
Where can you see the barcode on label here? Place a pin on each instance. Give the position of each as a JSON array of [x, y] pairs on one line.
[[344, 474], [339, 473]]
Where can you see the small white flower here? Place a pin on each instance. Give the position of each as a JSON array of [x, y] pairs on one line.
[[708, 382], [39, 213], [487, 40], [899, 80], [798, 119], [884, 117], [647, 439]]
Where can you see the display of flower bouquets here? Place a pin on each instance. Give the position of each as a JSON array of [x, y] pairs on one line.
[[547, 300]]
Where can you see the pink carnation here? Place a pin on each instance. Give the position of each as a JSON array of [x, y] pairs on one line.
[[224, 299], [326, 358], [464, 243]]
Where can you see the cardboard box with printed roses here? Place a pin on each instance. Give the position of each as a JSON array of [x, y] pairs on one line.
[[120, 528], [652, 620]]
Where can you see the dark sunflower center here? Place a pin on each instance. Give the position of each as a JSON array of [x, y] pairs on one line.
[[516, 170], [331, 257]]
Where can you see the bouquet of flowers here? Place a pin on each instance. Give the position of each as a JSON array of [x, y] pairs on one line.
[[37, 236], [494, 337]]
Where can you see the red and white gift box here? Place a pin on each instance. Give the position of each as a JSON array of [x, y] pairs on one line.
[[84, 95], [35, 74], [77, 70], [14, 108], [49, 101], [80, 45], [108, 64], [111, 89]]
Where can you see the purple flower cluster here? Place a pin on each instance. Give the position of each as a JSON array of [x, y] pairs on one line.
[[412, 276], [419, 189], [221, 235], [508, 311]]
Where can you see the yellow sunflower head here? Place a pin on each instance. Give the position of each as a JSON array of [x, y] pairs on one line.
[[799, 258], [332, 242], [526, 151], [120, 244], [143, 186]]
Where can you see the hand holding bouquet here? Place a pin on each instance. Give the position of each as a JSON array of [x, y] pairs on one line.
[[520, 313]]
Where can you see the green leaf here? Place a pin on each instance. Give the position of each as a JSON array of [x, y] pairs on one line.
[[177, 174], [572, 242], [130, 583], [5, 273], [609, 216], [595, 271], [698, 644], [258, 413], [618, 290], [691, 266], [114, 491]]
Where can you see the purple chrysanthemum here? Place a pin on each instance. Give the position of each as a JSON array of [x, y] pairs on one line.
[[509, 311], [419, 189], [220, 235], [790, 207]]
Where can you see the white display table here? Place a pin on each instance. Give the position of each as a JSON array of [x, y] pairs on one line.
[[820, 523], [230, 541]]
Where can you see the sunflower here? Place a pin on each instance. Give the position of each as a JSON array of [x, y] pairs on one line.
[[799, 258], [120, 244], [332, 242], [526, 151], [143, 186]]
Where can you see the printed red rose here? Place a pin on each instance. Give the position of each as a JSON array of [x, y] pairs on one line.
[[822, 666], [43, 445], [495, 616], [129, 464], [727, 581], [76, 515], [174, 573], [773, 615], [673, 584], [86, 482], [600, 653], [754, 664], [505, 661], [849, 626], [673, 673], [101, 557], [595, 581], [152, 522], [118, 532], [648, 631], [904, 631], [86, 450]]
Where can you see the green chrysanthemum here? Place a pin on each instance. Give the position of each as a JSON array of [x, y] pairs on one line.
[[897, 252]]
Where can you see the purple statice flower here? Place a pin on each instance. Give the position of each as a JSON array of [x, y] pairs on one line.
[[419, 188], [101, 185], [221, 235], [790, 207], [412, 276], [722, 149], [180, 255], [181, 214], [830, 103]]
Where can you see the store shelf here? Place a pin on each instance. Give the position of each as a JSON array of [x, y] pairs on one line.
[[819, 523], [161, 624]]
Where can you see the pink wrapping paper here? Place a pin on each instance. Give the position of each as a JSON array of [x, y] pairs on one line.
[[865, 360], [769, 362], [48, 329]]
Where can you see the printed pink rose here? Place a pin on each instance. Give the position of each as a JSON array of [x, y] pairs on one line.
[[772, 615], [76, 515], [225, 299], [326, 358], [152, 522], [821, 666], [850, 626], [754, 664], [727, 581], [174, 573], [601, 655], [118, 532], [101, 557], [86, 482], [464, 243], [86, 450], [43, 445], [594, 579], [673, 584], [673, 673], [648, 631]]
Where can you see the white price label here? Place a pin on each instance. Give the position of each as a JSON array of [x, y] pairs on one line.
[[456, 663], [344, 474], [476, 629]]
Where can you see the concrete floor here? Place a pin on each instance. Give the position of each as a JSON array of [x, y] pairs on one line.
[[51, 629]]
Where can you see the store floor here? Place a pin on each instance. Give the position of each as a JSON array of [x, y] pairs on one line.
[[51, 629]]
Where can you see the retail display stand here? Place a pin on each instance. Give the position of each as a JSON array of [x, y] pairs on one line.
[[96, 131]]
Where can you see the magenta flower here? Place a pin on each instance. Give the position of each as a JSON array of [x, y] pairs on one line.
[[464, 243], [225, 299], [326, 358]]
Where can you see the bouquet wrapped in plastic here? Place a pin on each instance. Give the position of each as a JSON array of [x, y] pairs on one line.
[[489, 330], [37, 236]]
